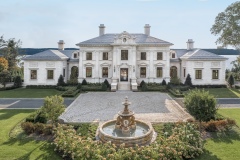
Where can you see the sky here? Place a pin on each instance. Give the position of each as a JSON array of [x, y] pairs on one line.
[[42, 23]]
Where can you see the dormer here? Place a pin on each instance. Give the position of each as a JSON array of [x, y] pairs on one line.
[[75, 55], [124, 39], [173, 55]]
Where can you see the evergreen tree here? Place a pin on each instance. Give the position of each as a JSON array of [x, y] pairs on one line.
[[107, 83], [18, 81], [188, 81], [61, 81], [164, 83], [231, 80], [84, 82]]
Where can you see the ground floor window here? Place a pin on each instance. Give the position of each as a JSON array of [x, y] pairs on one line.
[[159, 71], [198, 74], [88, 71], [33, 74], [105, 72], [184, 72], [63, 72], [173, 72], [215, 74], [50, 74], [143, 72]]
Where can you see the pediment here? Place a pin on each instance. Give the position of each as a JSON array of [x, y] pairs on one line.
[[88, 65], [159, 64], [105, 64], [124, 39], [142, 64]]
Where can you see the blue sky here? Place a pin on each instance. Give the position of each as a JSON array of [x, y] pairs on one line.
[[41, 23]]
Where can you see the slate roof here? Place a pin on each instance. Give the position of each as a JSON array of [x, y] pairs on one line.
[[108, 39], [223, 51], [198, 54], [31, 51], [51, 55]]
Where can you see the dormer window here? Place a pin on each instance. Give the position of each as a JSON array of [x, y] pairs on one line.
[[75, 55], [173, 55]]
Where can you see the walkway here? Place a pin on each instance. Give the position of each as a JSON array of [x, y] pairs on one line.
[[103, 106]]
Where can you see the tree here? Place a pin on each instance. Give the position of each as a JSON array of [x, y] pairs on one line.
[[4, 77], [164, 83], [84, 82], [3, 64], [53, 107], [201, 105], [227, 25], [61, 81], [188, 80], [231, 80], [18, 81], [107, 83]]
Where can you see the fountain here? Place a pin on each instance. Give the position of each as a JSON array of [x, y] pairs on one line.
[[126, 129]]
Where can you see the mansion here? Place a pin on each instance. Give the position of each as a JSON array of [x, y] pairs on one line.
[[125, 59]]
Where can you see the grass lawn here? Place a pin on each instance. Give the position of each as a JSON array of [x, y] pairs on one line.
[[21, 149], [224, 147], [28, 93]]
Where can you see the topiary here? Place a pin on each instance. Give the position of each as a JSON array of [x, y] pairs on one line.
[[84, 82], [61, 81], [107, 83], [164, 83], [188, 80], [142, 83]]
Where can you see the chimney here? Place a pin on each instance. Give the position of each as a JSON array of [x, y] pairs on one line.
[[61, 45], [190, 44], [147, 29], [101, 29]]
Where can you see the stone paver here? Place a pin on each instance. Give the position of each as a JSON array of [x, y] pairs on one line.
[[103, 106]]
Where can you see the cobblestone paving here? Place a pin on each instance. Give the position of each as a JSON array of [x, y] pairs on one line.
[[103, 106]]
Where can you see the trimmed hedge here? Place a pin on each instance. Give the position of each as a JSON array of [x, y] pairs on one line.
[[209, 86], [174, 92], [70, 93], [94, 87], [42, 86], [8, 88], [153, 87]]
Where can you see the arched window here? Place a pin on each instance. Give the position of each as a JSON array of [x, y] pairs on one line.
[[173, 72], [74, 72], [173, 55]]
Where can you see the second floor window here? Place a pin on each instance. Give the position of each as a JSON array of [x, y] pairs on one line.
[[89, 56], [105, 55], [143, 55], [159, 56], [124, 54]]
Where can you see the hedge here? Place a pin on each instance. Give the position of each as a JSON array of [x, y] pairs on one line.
[[42, 86], [70, 93], [175, 94], [8, 88]]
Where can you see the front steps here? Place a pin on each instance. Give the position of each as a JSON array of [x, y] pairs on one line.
[[124, 86]]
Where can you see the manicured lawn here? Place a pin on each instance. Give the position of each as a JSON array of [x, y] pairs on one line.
[[21, 149], [224, 147], [28, 93]]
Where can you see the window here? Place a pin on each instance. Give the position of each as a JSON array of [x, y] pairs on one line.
[[89, 56], [75, 55], [184, 72], [105, 56], [33, 74], [88, 71], [159, 71], [215, 74], [49, 74], [173, 55], [124, 54], [198, 74], [143, 72], [143, 55], [105, 72], [63, 72], [159, 56]]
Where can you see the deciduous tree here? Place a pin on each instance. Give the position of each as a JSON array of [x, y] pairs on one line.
[[227, 26], [3, 64]]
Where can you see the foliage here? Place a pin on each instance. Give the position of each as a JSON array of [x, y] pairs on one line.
[[86, 130], [37, 117], [4, 77], [18, 81], [61, 81], [188, 80], [219, 125], [153, 87], [53, 107], [41, 86], [201, 105], [94, 87], [175, 80], [38, 128], [107, 83], [84, 82], [231, 80], [164, 83], [227, 26], [3, 64], [235, 71], [176, 92], [72, 82], [28, 127], [70, 93], [185, 142], [142, 83]]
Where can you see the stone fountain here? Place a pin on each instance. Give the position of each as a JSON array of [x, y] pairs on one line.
[[126, 129]]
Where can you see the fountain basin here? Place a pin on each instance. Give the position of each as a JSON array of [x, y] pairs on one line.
[[142, 135]]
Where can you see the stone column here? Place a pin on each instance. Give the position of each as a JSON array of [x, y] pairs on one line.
[[81, 67]]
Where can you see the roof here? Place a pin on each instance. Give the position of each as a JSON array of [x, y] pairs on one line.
[[108, 39], [198, 54], [223, 51], [51, 55], [31, 51]]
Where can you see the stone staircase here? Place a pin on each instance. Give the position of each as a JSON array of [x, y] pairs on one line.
[[124, 86]]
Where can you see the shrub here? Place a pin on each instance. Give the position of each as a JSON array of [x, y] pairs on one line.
[[61, 81], [175, 80], [164, 83], [72, 82], [31, 117], [188, 80], [201, 105], [142, 83], [48, 129], [84, 82], [40, 117], [219, 125], [231, 80], [42, 86], [28, 127], [70, 93], [79, 86], [18, 82], [39, 127], [60, 88], [107, 83]]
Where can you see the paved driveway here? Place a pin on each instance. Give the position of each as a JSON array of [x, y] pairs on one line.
[[26, 103]]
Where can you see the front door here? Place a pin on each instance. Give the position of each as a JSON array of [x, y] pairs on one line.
[[124, 74]]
